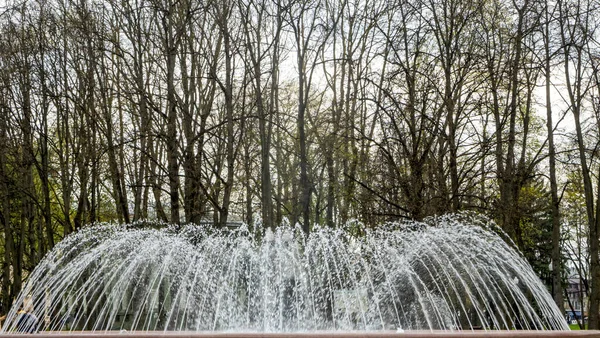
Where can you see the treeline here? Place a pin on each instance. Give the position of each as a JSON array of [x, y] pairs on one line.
[[317, 111]]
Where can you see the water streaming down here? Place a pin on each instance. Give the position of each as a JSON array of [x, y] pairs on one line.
[[449, 273]]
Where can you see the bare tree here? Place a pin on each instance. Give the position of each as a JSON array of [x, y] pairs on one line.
[[310, 36]]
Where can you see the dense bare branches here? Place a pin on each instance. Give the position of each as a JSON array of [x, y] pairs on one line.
[[318, 111]]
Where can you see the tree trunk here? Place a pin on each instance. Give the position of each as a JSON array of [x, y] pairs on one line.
[[304, 183], [140, 190], [9, 246], [557, 266], [264, 127], [228, 91], [172, 145], [44, 167]]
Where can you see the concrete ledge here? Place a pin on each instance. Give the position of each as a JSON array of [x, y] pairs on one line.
[[316, 334]]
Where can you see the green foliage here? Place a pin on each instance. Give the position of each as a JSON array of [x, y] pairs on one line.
[[536, 229]]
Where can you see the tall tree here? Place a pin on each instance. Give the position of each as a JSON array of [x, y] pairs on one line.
[[309, 36], [574, 21], [557, 262]]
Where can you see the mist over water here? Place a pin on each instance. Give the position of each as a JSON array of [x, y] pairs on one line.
[[448, 273]]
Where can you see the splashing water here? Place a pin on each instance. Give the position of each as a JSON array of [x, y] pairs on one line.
[[452, 272]]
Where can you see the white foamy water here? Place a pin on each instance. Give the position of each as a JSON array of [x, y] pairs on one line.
[[450, 273]]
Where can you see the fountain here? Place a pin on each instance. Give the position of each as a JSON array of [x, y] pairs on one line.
[[448, 273]]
